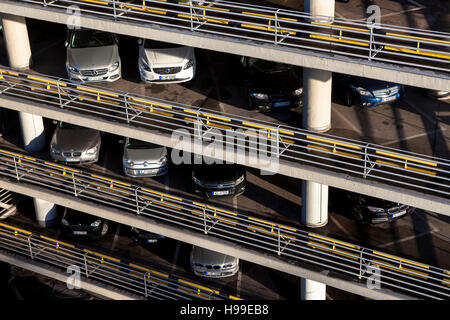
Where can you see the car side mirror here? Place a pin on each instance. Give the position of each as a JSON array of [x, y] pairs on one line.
[[140, 42]]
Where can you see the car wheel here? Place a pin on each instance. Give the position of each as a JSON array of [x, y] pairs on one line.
[[358, 213], [348, 98], [105, 228]]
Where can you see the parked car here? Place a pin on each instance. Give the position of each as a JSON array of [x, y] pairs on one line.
[[92, 55], [74, 144], [82, 225], [144, 237], [218, 180], [271, 85], [438, 94], [211, 264], [144, 159], [161, 62], [366, 92], [368, 209]]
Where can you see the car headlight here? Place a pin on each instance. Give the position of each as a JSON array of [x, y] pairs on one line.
[[197, 181], [129, 162], [376, 209], [64, 222], [114, 67], [55, 150], [146, 66], [73, 69], [260, 96], [162, 160], [240, 179], [92, 150], [96, 223], [189, 64], [298, 92], [363, 91]]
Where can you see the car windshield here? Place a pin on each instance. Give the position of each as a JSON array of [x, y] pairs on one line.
[[66, 125], [138, 144], [91, 38], [268, 66], [152, 44]]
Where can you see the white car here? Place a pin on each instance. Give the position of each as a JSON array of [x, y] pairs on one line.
[[161, 62]]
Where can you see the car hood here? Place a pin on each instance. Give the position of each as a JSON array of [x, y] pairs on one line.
[[77, 139], [220, 174], [93, 58], [372, 84], [141, 155], [206, 256], [274, 83], [168, 57], [79, 218]]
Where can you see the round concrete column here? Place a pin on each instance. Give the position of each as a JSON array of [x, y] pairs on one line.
[[16, 40], [314, 204], [312, 290], [320, 8], [32, 131], [316, 100], [46, 213]]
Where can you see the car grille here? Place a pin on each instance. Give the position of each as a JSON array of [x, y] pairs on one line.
[[219, 186], [171, 70], [214, 267], [386, 92], [72, 154], [94, 72]]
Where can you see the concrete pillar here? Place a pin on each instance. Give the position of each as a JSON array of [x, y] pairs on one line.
[[314, 204], [16, 39], [320, 8], [46, 213], [32, 132], [312, 290]]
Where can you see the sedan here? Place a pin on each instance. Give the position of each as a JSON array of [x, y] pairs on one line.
[[74, 144], [82, 225], [211, 264], [92, 56], [144, 159]]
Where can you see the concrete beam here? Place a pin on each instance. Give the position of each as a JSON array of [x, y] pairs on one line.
[[304, 172], [198, 239], [404, 75], [96, 288]]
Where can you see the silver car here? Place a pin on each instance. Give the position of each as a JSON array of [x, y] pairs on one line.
[[73, 144], [92, 56], [144, 159], [211, 264]]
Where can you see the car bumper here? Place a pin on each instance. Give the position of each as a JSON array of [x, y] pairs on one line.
[[389, 217], [85, 159], [151, 77], [108, 77], [220, 192], [271, 105], [83, 233], [210, 273], [369, 102], [136, 172]]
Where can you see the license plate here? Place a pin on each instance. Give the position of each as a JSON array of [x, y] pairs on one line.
[[398, 214], [281, 104], [389, 98], [220, 193], [167, 77], [80, 232], [93, 78], [71, 160]]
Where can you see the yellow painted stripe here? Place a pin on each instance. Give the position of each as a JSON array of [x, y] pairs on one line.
[[272, 224], [197, 286], [271, 232], [234, 298], [162, 194], [386, 265], [111, 180], [287, 132], [217, 117], [18, 155], [142, 9], [267, 16], [152, 103], [207, 7], [258, 126], [324, 247], [407, 167], [97, 2], [338, 26], [419, 52], [417, 38], [268, 28], [102, 255], [14, 228], [61, 167], [428, 163], [401, 259], [168, 206], [149, 270], [198, 204], [221, 210], [342, 144], [47, 81], [57, 241], [97, 91], [358, 43], [333, 240], [334, 151], [9, 72]]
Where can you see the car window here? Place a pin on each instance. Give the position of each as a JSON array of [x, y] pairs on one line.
[[153, 44], [268, 66], [91, 38], [66, 125], [138, 144]]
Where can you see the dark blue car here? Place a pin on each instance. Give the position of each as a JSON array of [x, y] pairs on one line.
[[366, 92]]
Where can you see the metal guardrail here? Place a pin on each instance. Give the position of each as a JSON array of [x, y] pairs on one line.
[[279, 142], [8, 202], [394, 45], [353, 261], [139, 280]]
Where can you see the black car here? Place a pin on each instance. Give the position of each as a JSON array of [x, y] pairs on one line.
[[365, 92], [144, 237], [83, 226], [218, 180], [368, 209], [271, 85]]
